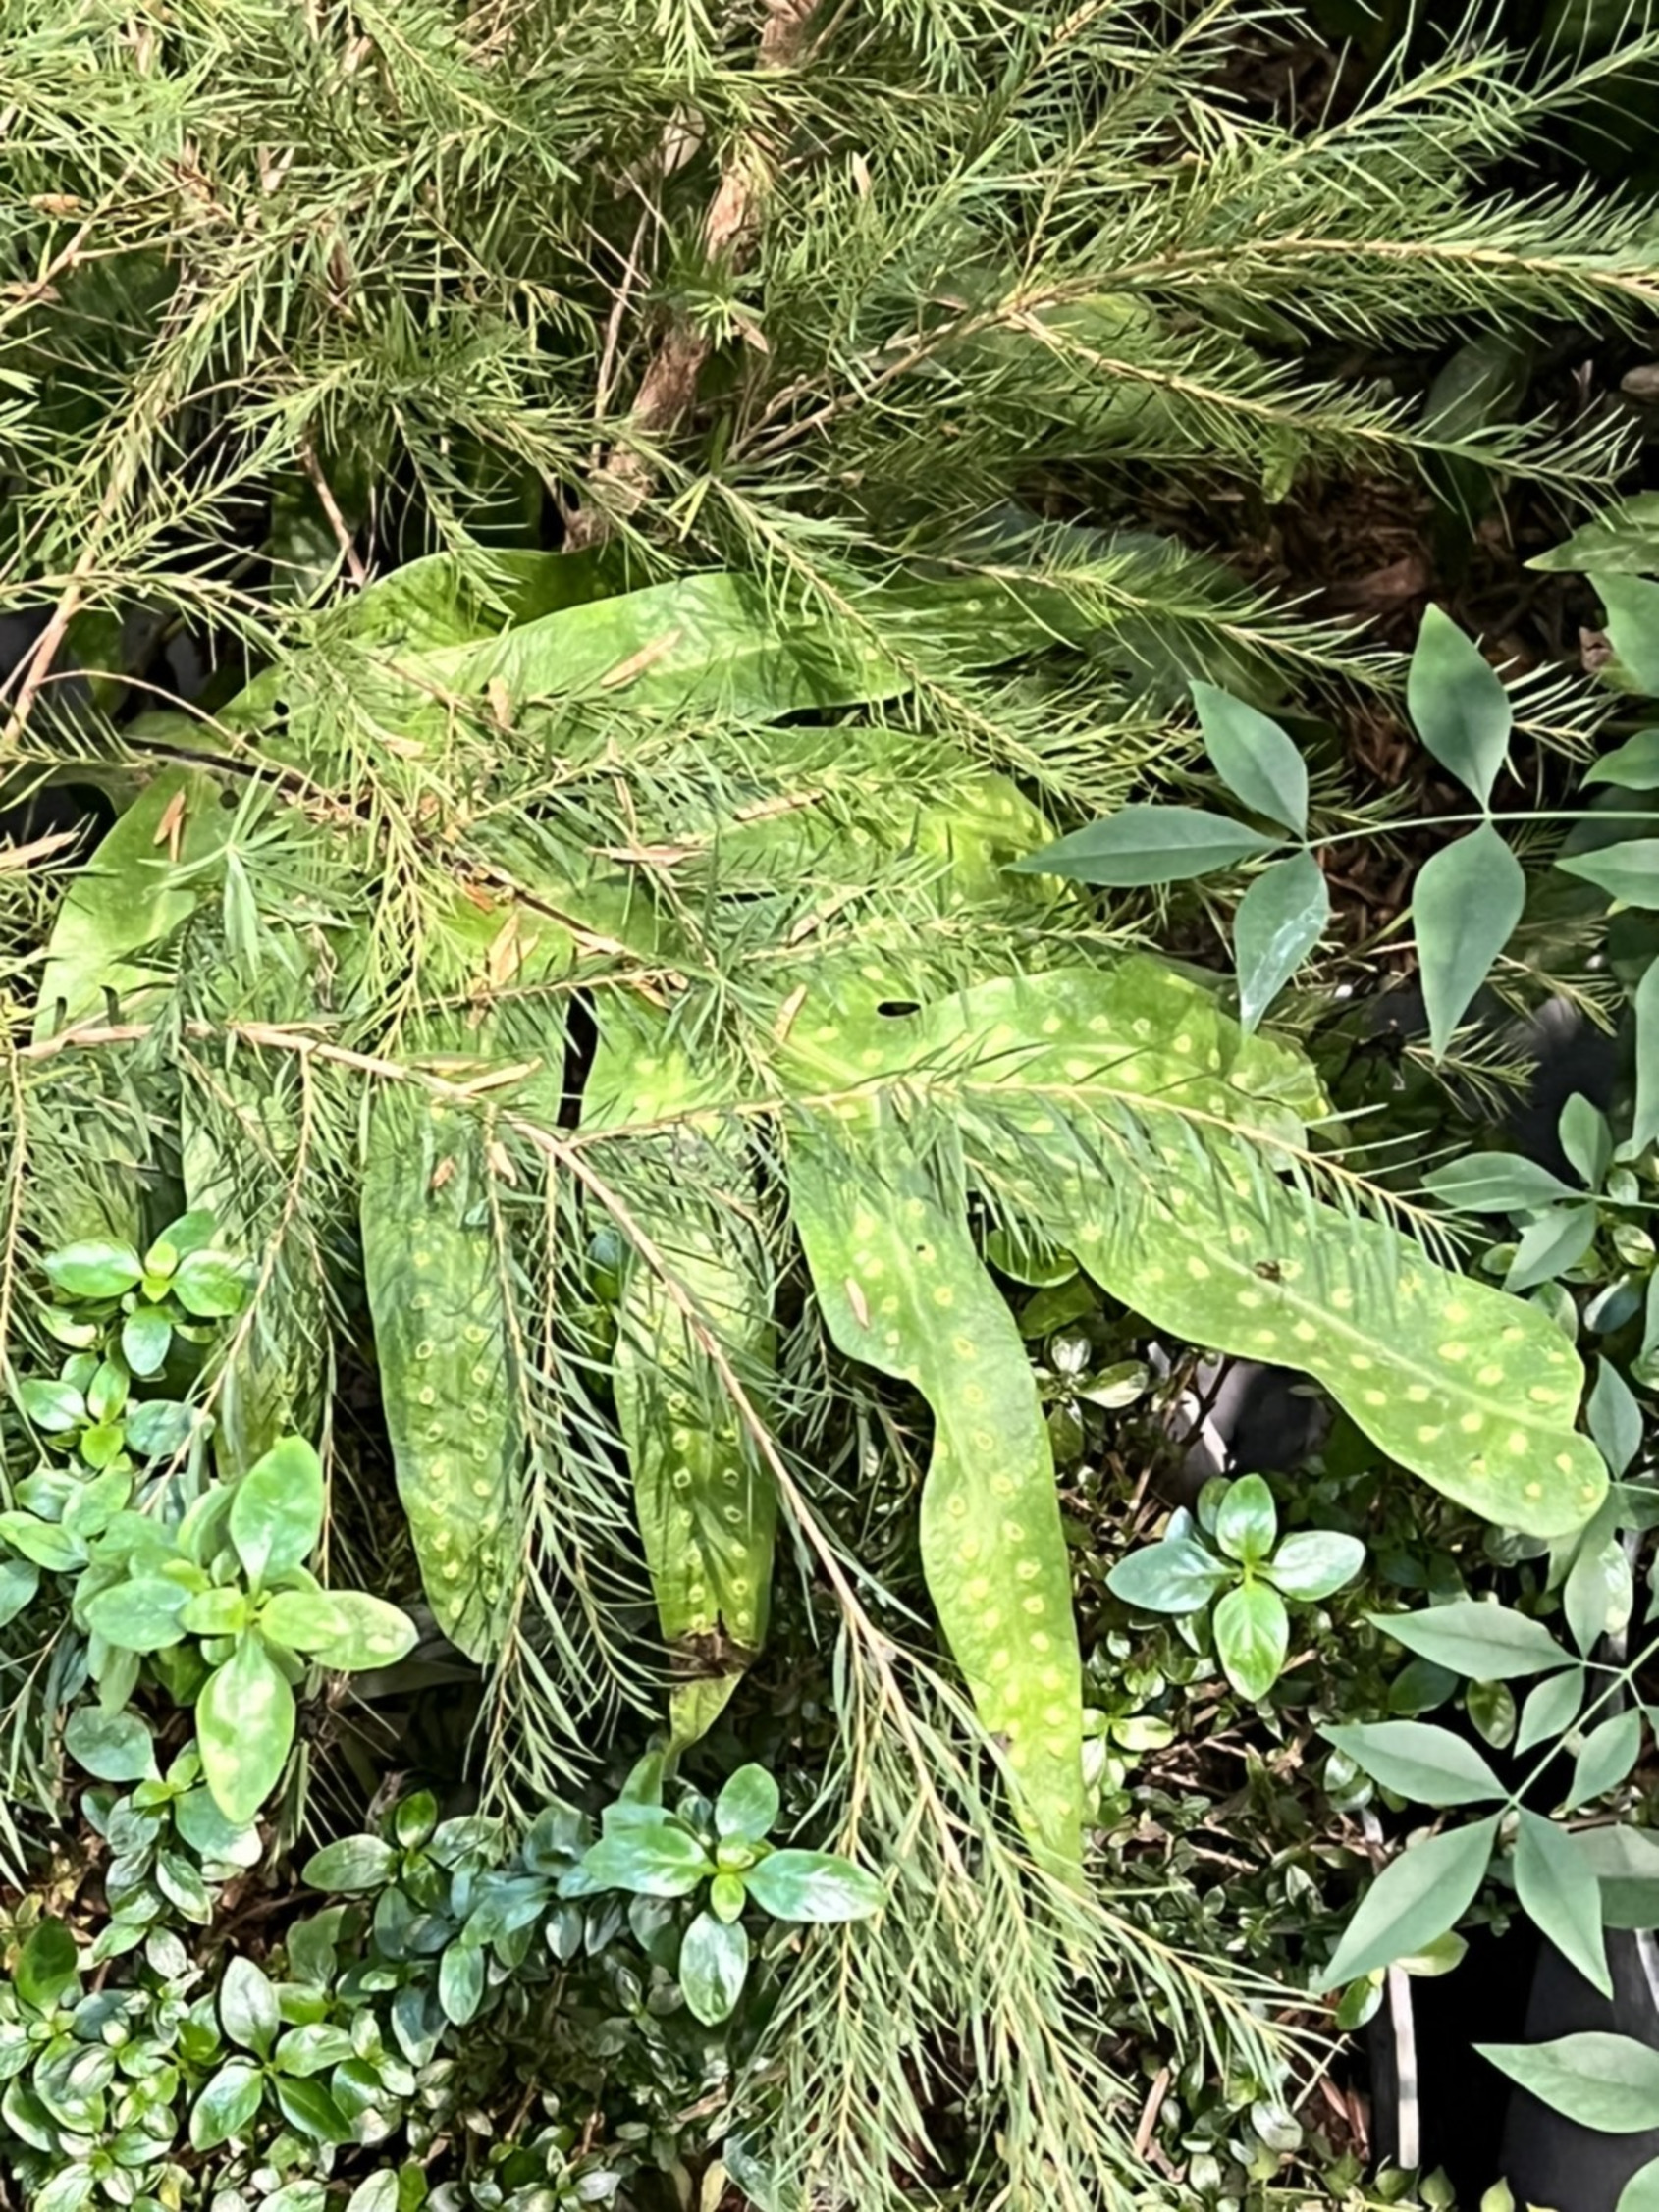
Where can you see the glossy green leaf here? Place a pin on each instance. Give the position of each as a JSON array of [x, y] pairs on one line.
[[1560, 1894], [901, 1287], [1418, 1895], [1631, 620], [354, 1864], [115, 1747], [301, 1619], [1625, 1863], [1464, 905], [245, 1728], [93, 1270], [748, 1805], [1628, 871], [1598, 1595], [1277, 923], [1548, 1246], [211, 1285], [308, 2107], [276, 1511], [226, 2105], [713, 1962], [55, 1408], [1632, 766], [660, 1860], [1175, 1577], [1551, 1709], [1609, 1753], [1491, 1707], [1314, 1562], [1645, 1125], [1608, 2082], [1247, 1521], [247, 2007], [1256, 759], [461, 1975], [1252, 1631], [222, 1611], [374, 1634], [1426, 1764], [1143, 845], [813, 1885], [1495, 1183], [1458, 705], [58, 1550], [20, 1581], [140, 1615], [1485, 1643]]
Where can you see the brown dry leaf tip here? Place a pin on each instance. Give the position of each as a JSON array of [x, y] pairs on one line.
[[636, 664], [858, 1301], [501, 703], [501, 1161], [441, 1175], [169, 830], [506, 956], [787, 1012], [650, 856], [13, 857]]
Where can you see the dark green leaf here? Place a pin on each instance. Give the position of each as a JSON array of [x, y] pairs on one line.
[[1558, 1889], [1458, 705], [19, 1580], [1625, 1859], [1608, 2082], [308, 2107], [1314, 1562], [747, 1806], [1142, 845], [1608, 1754], [244, 1725], [1485, 1643], [1615, 1419], [1254, 756], [1464, 905], [46, 1965], [1495, 1183], [1622, 542], [1599, 1592], [713, 1962], [1628, 871], [116, 1746], [1247, 1520], [57, 1550], [1252, 1637], [1278, 922], [1633, 765], [1491, 1707], [813, 1885], [94, 1270], [249, 2011], [1417, 1898], [1174, 1576], [1430, 1765], [276, 1511]]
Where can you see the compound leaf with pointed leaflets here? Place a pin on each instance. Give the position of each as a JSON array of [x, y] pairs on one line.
[[1605, 2081], [1255, 758], [1458, 704], [1278, 922], [1464, 905], [1484, 1642], [1427, 1764], [1559, 1892], [1416, 1899], [1145, 845]]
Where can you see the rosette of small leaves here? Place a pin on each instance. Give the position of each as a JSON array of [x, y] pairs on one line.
[[127, 1318], [1231, 1559], [93, 2075], [715, 1858], [170, 1849], [220, 1611]]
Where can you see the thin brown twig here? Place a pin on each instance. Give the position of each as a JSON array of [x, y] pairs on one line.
[[330, 505]]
